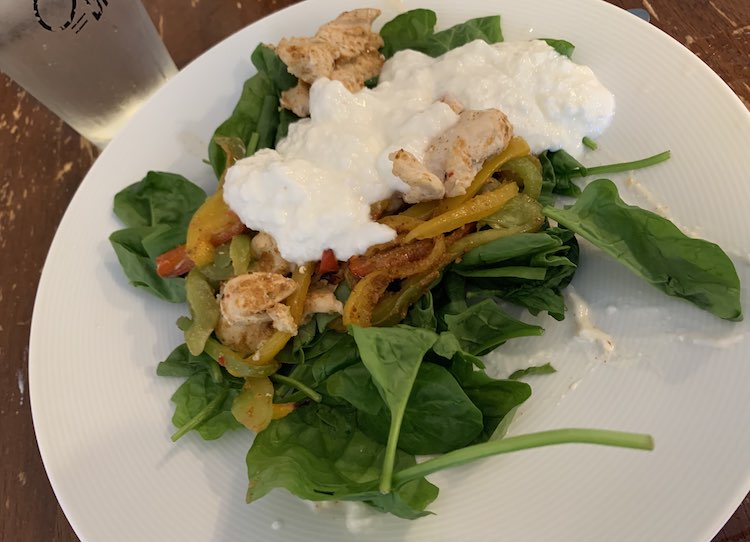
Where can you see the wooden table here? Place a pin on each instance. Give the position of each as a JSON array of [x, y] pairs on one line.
[[42, 161]]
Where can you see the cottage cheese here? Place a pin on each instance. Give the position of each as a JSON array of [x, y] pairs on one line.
[[314, 191]]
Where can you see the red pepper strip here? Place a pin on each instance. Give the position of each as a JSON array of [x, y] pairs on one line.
[[328, 262], [392, 259], [174, 263], [232, 228]]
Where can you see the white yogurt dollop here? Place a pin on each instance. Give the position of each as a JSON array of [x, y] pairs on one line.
[[314, 191]]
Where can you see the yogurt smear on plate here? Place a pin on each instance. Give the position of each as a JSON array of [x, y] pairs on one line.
[[314, 191]]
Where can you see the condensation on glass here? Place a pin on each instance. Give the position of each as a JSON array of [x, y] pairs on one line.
[[91, 62]]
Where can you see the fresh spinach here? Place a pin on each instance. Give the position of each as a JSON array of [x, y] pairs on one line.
[[255, 119], [393, 356], [439, 417], [534, 370], [139, 266], [157, 210], [526, 269], [559, 169], [203, 401], [318, 453], [496, 399], [484, 326], [415, 30], [205, 406], [563, 47], [159, 198], [655, 249]]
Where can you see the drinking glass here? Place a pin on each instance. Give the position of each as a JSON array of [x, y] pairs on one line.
[[91, 62]]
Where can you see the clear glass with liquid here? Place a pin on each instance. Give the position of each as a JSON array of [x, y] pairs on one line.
[[91, 62]]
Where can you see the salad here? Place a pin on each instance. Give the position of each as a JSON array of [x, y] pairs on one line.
[[349, 367]]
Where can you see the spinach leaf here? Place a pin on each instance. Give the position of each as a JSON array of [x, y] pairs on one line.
[[449, 347], [393, 356], [545, 369], [422, 313], [507, 248], [318, 453], [484, 326], [496, 399], [333, 352], [181, 362], [563, 47], [159, 198], [265, 60], [157, 210], [439, 417], [655, 249], [415, 29], [286, 118], [205, 406], [482, 28], [255, 119], [527, 269], [558, 168], [355, 385], [139, 266], [159, 239], [406, 29]]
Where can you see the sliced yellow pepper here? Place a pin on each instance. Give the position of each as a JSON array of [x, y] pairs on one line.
[[470, 211], [422, 210], [212, 217], [281, 410], [268, 350], [516, 148], [364, 297]]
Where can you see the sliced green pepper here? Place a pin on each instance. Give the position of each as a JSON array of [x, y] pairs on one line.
[[204, 311]]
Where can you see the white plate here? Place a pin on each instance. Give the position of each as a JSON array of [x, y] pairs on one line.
[[103, 417]]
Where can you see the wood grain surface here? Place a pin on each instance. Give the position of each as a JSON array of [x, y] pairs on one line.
[[42, 161]]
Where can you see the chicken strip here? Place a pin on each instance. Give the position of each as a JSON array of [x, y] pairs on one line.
[[458, 153], [423, 184], [267, 255], [345, 49], [321, 299], [256, 298], [297, 99], [351, 33]]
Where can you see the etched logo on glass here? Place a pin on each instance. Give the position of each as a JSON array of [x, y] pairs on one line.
[[54, 19]]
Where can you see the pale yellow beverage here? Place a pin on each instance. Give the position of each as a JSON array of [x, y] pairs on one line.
[[92, 62]]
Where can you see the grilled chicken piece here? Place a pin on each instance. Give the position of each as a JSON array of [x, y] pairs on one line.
[[244, 338], [351, 33], [321, 299], [257, 297], [458, 153], [297, 99], [345, 49], [423, 185], [267, 255]]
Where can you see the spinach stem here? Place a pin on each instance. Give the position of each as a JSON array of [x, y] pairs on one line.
[[622, 166], [293, 383], [523, 442], [389, 460], [202, 416], [590, 143], [252, 144]]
